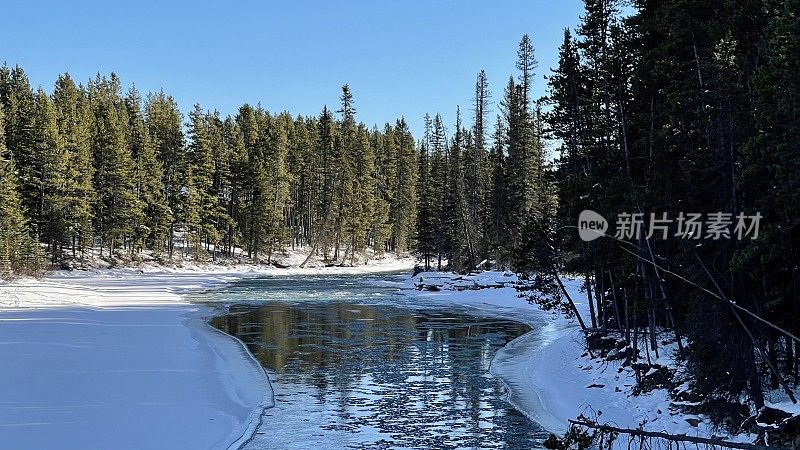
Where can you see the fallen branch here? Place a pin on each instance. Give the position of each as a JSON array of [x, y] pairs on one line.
[[672, 437]]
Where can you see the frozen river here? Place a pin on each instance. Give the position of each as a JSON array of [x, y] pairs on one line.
[[355, 365]]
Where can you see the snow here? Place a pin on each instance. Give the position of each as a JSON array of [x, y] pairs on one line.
[[547, 372], [124, 378], [785, 405], [118, 358]]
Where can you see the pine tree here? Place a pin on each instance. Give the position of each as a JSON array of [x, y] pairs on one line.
[[768, 184], [530, 143], [252, 181], [385, 177], [566, 125], [403, 210], [116, 206], [239, 190], [266, 186], [222, 185], [20, 110], [460, 232], [209, 181], [202, 202], [74, 127], [426, 214], [517, 162], [498, 233], [150, 229], [438, 186], [302, 162], [327, 202], [346, 192], [359, 222], [51, 160], [477, 173], [526, 64], [18, 252], [164, 122], [276, 192], [96, 164]]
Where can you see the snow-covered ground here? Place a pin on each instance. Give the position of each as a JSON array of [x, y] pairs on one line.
[[547, 372], [119, 359], [132, 378]]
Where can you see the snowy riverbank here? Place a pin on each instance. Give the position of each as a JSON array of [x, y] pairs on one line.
[[119, 359], [155, 377], [548, 374]]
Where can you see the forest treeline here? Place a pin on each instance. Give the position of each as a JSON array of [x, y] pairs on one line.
[[89, 167], [663, 107]]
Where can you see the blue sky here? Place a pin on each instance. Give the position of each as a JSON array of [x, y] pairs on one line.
[[399, 58]]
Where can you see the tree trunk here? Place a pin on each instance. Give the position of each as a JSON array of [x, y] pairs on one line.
[[588, 284]]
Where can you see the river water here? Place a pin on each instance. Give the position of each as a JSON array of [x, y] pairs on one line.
[[354, 364]]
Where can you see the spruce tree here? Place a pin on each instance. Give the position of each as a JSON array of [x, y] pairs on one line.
[[477, 173], [347, 143], [21, 140], [426, 214], [498, 232], [403, 211], [164, 122], [150, 229], [327, 202], [276, 193], [52, 163], [73, 116], [221, 188], [18, 251], [116, 207], [235, 208], [385, 176]]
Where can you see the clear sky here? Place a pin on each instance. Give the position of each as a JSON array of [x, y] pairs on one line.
[[400, 58]]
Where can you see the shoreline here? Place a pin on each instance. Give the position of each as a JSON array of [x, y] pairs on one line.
[[511, 364], [204, 317], [124, 378], [548, 376], [528, 399]]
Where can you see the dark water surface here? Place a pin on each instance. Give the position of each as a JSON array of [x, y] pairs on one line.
[[354, 365]]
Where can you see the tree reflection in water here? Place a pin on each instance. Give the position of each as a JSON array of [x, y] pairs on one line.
[[350, 374]]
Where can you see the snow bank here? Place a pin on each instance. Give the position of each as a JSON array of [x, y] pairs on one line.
[[135, 378]]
